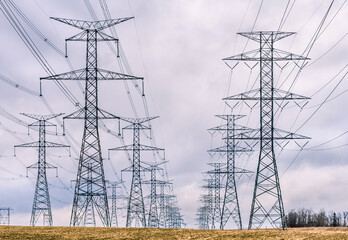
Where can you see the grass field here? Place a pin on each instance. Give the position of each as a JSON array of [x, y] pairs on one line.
[[37, 233]]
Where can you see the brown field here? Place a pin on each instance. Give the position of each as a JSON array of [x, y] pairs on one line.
[[37, 233]]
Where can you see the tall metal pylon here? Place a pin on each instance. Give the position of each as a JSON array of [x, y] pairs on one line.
[[230, 203], [136, 207], [162, 203], [5, 213], [114, 197], [267, 203], [207, 201], [41, 203], [90, 189], [204, 211], [215, 185], [153, 217]]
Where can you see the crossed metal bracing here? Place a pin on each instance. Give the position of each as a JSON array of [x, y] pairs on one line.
[[267, 204], [202, 218], [5, 213], [230, 204], [41, 203], [205, 212], [136, 208], [90, 189], [114, 196], [173, 216], [153, 217], [216, 186], [163, 213]]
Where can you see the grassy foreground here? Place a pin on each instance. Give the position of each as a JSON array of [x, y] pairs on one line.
[[37, 233]]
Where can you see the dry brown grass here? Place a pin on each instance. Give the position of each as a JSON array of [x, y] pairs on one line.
[[73, 233]]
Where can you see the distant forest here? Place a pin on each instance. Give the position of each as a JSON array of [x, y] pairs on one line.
[[308, 218]]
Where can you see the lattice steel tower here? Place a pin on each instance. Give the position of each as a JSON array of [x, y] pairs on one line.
[[90, 189], [153, 217], [41, 203], [230, 203], [136, 208], [267, 203], [207, 202], [5, 213], [162, 202], [114, 197]]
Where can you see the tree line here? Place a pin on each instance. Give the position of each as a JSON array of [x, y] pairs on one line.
[[308, 218]]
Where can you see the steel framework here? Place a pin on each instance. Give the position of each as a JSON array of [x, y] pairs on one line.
[[5, 214], [163, 215], [90, 189], [136, 207], [267, 203], [207, 204], [230, 204], [41, 203], [153, 217], [215, 185], [114, 197]]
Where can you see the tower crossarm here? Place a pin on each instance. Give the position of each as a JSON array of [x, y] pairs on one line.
[[223, 128], [91, 25], [138, 120], [82, 36], [140, 126], [47, 166], [229, 116], [130, 169], [259, 35], [38, 144], [41, 117], [80, 114], [224, 170], [278, 134], [225, 149], [141, 147], [101, 74], [278, 94], [254, 55]]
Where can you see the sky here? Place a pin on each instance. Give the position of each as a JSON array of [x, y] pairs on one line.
[[178, 47]]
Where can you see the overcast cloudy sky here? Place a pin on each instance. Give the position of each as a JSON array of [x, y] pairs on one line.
[[177, 46]]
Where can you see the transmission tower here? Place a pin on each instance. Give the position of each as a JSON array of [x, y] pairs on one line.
[[41, 203], [114, 197], [153, 220], [5, 214], [230, 204], [215, 185], [136, 208], [207, 201], [170, 208], [267, 203], [162, 203], [90, 189], [202, 218], [204, 212]]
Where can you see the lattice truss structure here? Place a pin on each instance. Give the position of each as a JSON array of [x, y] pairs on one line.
[[90, 190], [225, 175], [114, 196], [161, 210], [267, 203], [5, 214], [41, 204], [220, 204]]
